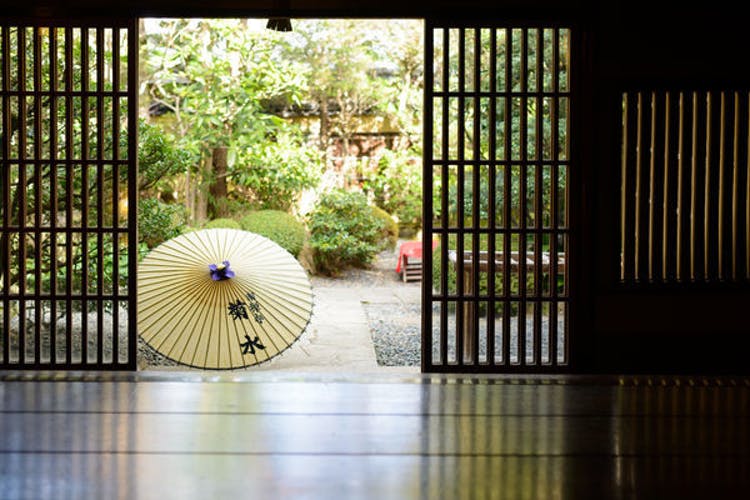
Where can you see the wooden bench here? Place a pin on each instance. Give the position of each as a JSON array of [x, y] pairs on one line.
[[409, 264], [469, 328]]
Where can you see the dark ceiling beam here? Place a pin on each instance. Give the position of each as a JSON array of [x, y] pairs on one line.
[[292, 8]]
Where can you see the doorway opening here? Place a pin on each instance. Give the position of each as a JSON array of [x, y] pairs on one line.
[[221, 114]]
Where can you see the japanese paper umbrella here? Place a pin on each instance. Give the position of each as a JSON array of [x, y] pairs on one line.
[[222, 299]]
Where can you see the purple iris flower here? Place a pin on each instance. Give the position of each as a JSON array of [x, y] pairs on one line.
[[221, 271]]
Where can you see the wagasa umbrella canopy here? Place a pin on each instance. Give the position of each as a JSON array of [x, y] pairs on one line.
[[222, 299]]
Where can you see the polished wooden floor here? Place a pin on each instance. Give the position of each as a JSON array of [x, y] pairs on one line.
[[267, 436]]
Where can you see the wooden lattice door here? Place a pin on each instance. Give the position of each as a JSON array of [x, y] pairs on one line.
[[497, 169], [68, 222]]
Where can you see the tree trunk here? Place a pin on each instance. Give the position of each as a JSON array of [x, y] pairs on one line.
[[324, 127], [189, 195], [218, 186], [200, 199]]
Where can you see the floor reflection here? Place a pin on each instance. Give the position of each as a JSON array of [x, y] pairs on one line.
[[449, 438]]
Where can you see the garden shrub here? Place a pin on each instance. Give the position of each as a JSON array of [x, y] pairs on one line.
[[223, 224], [273, 173], [389, 234], [160, 158], [343, 231], [280, 227], [159, 221], [397, 188]]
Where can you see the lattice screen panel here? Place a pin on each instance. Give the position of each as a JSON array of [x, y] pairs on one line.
[[497, 163], [67, 172]]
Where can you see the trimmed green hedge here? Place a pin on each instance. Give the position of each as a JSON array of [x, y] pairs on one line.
[[223, 224], [280, 227]]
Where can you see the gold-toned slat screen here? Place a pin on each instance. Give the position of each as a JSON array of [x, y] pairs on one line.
[[685, 188]]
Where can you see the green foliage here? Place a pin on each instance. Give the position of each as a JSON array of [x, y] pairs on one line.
[[519, 136], [273, 174], [280, 227], [361, 75], [159, 221], [360, 67], [390, 228], [159, 157], [397, 187], [508, 118], [344, 231], [215, 77], [223, 224]]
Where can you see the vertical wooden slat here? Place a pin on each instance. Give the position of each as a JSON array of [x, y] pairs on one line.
[[507, 193], [22, 155], [680, 165], [5, 53], [132, 86], [85, 157], [747, 197], [491, 208], [720, 221], [100, 194], [69, 155], [651, 184], [445, 205], [707, 189], [665, 195], [637, 215], [522, 212], [566, 212], [460, 255], [38, 234], [538, 191], [553, 197], [53, 31], [624, 193], [476, 224], [693, 181], [116, 195], [735, 181]]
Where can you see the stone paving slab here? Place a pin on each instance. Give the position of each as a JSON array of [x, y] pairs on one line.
[[337, 338]]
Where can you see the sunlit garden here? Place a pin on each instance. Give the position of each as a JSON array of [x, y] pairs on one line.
[[311, 138]]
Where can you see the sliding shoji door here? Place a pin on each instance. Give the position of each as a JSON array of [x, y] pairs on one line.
[[68, 231]]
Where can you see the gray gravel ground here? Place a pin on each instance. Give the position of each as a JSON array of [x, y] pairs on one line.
[[395, 327], [395, 330], [396, 336]]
